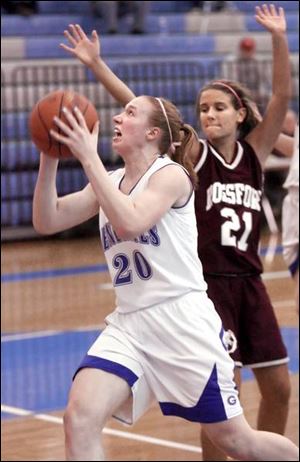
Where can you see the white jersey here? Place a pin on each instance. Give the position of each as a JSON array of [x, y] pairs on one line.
[[292, 180], [160, 264]]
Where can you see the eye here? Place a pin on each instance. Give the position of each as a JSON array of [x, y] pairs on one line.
[[220, 107]]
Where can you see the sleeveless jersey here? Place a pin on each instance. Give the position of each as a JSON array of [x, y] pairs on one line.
[[292, 179], [160, 264], [228, 211]]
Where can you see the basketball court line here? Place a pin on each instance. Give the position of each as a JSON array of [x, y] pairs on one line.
[[98, 268], [106, 431]]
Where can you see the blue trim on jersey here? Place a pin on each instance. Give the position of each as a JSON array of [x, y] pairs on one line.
[[221, 335], [294, 266], [209, 409], [121, 180], [108, 366]]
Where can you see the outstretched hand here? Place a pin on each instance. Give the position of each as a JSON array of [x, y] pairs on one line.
[[85, 49], [76, 135], [270, 19]]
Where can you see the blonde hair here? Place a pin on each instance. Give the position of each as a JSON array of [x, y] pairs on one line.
[[177, 137]]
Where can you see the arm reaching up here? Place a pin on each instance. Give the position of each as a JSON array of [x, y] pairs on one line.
[[265, 134], [88, 52]]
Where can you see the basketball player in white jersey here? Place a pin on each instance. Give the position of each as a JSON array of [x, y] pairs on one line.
[[164, 341], [290, 216]]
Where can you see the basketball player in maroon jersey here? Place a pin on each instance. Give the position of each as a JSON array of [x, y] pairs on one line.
[[230, 163], [228, 207]]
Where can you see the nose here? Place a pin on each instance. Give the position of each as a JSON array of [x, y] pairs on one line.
[[117, 118], [210, 113]]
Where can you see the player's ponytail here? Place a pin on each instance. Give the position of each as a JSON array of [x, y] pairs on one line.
[[177, 137]]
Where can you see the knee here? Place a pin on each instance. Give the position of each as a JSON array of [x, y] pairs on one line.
[[278, 393], [233, 437], [80, 419], [74, 420], [237, 445], [284, 393]]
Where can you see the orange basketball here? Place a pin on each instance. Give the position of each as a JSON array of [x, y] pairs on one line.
[[41, 119]]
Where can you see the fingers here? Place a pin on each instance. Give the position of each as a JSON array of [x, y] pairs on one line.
[[273, 10], [281, 12], [65, 47], [66, 129], [79, 117], [70, 38], [75, 32], [58, 137], [80, 32], [95, 37], [74, 122], [96, 128], [268, 11]]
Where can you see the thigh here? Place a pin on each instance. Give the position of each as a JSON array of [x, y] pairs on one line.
[[108, 393], [114, 356], [225, 293], [260, 341]]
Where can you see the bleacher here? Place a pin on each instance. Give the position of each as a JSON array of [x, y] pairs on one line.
[[180, 51]]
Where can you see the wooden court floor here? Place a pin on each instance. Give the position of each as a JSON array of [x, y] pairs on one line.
[[81, 301]]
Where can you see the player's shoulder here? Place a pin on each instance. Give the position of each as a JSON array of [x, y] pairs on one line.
[[165, 166]]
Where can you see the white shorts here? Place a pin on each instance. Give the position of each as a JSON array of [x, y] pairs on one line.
[[290, 231], [173, 353]]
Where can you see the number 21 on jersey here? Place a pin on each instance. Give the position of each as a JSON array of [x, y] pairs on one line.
[[232, 225]]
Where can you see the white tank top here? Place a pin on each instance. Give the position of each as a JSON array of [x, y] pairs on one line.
[[292, 180], [160, 264]]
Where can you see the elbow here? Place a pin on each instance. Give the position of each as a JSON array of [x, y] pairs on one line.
[[126, 233], [41, 228]]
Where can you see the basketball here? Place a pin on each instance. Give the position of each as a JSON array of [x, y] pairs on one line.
[[41, 119]]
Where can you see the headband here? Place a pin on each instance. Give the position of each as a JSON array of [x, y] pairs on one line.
[[218, 82], [173, 144], [166, 117]]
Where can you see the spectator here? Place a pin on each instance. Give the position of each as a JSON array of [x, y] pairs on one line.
[[112, 10], [249, 70], [210, 6], [26, 8]]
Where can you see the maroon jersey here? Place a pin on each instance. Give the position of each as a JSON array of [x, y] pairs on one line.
[[228, 210]]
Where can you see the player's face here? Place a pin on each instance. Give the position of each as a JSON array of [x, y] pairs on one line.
[[132, 125], [218, 117]]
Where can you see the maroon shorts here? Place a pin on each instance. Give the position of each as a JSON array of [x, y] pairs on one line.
[[245, 308]]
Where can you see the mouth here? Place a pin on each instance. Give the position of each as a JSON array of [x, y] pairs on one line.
[[117, 134]]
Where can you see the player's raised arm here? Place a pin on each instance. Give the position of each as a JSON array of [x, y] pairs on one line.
[[88, 52], [264, 136]]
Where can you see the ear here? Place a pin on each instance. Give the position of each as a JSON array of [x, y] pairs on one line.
[[152, 133], [242, 113]]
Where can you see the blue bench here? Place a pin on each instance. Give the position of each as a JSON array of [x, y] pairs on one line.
[[249, 6], [16, 212], [17, 155], [82, 7], [16, 185], [50, 25], [125, 46]]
